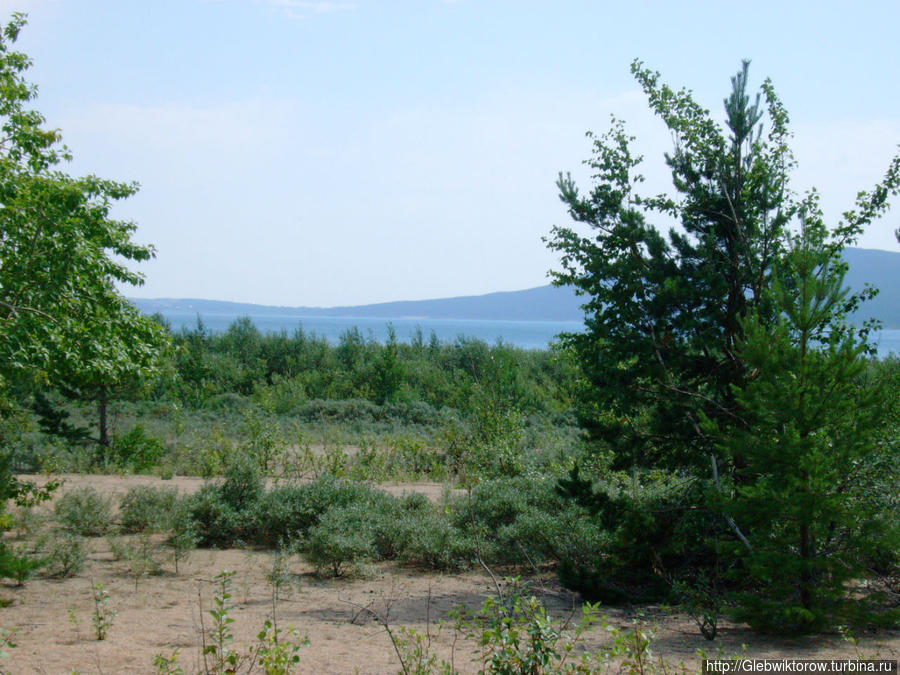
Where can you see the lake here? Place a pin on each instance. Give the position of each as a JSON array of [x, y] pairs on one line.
[[525, 334]]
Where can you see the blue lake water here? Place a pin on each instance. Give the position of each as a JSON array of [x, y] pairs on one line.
[[888, 342], [525, 334]]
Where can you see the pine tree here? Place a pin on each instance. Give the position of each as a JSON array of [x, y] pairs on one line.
[[672, 359], [663, 314], [807, 441]]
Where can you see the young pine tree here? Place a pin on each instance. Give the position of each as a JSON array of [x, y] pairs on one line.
[[810, 432]]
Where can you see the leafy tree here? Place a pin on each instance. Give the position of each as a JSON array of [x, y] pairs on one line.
[[61, 317], [809, 442], [388, 369]]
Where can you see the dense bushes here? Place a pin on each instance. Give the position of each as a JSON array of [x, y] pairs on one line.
[[338, 523]]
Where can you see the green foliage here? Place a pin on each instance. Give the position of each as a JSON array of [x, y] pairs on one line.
[[809, 438], [104, 616], [218, 655], [64, 552], [276, 650], [632, 536], [61, 317], [279, 650], [519, 520], [691, 362], [282, 514], [7, 641], [147, 509], [517, 636], [216, 522], [136, 450], [61, 255], [15, 564], [84, 512], [264, 443], [663, 315], [342, 540], [303, 376], [243, 483], [140, 555], [54, 420], [183, 536], [425, 537], [168, 665]]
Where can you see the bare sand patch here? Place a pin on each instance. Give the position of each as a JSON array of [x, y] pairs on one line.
[[160, 613]]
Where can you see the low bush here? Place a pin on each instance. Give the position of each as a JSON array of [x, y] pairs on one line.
[[244, 484], [428, 539], [639, 534], [140, 554], [183, 536], [17, 564], [510, 514], [228, 401], [83, 511], [240, 510], [137, 450], [64, 553], [217, 523], [147, 509], [343, 539]]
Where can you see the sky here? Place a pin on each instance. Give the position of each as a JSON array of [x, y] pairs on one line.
[[341, 152]]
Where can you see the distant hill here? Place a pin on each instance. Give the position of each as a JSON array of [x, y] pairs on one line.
[[881, 269], [544, 303]]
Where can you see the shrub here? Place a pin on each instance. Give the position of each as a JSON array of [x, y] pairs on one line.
[[217, 523], [288, 512], [140, 555], [284, 513], [343, 539], [429, 539], [509, 514], [84, 512], [636, 535], [65, 553], [147, 509], [228, 401], [15, 564], [243, 484], [264, 444], [137, 450], [184, 536]]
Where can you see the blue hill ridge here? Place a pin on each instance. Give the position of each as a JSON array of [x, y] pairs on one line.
[[544, 303]]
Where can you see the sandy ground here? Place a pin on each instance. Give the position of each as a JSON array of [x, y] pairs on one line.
[[160, 613], [119, 485]]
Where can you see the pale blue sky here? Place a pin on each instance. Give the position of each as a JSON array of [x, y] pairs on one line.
[[345, 152]]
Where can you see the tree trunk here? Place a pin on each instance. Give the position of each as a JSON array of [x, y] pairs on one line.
[[101, 409], [806, 582]]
